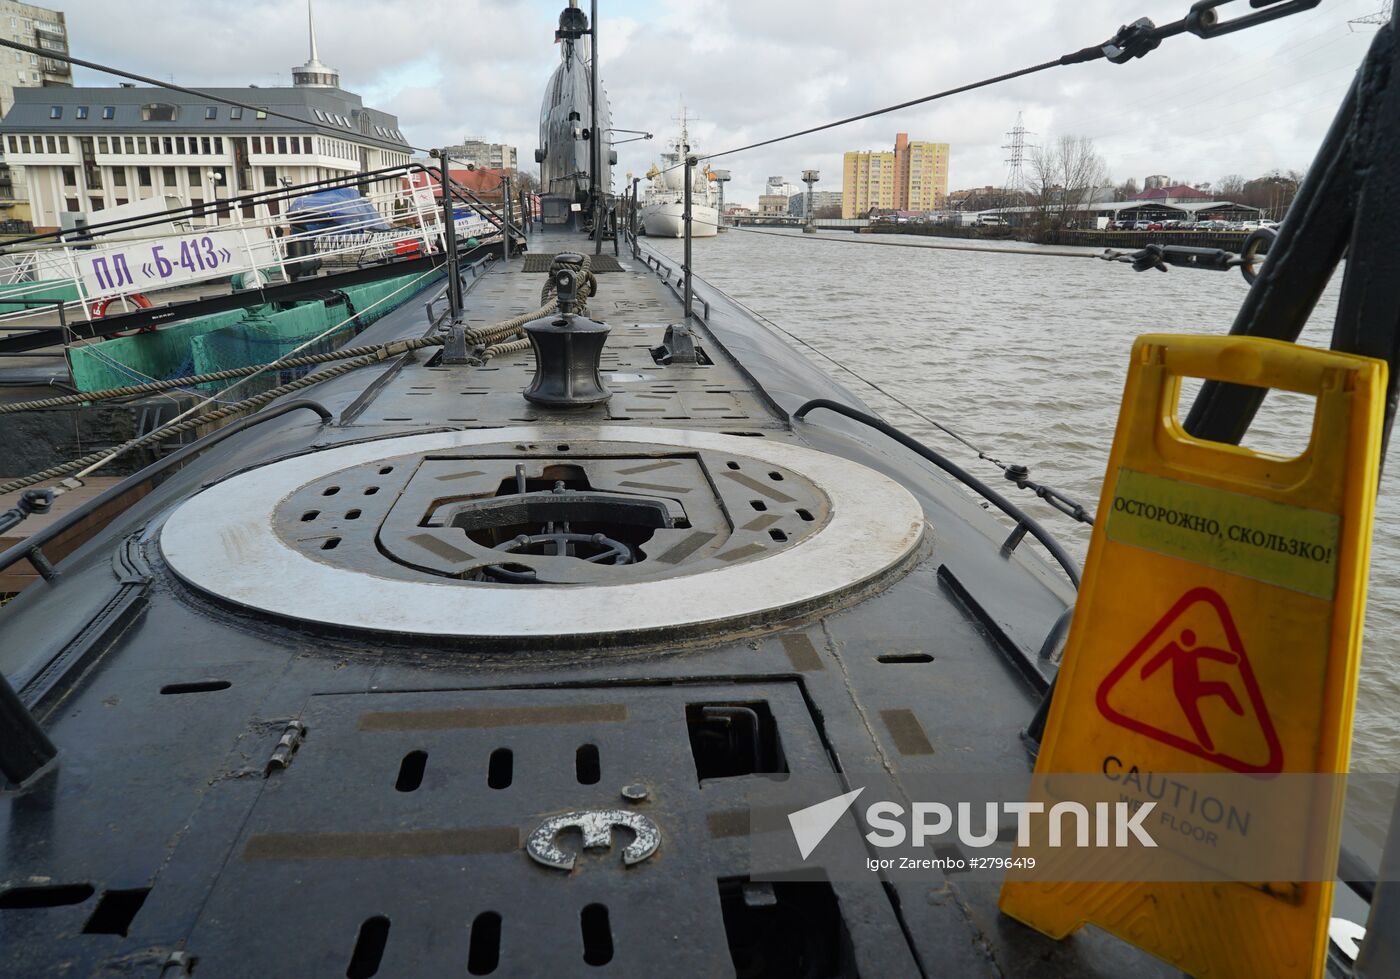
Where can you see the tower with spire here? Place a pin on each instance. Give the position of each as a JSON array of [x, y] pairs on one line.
[[314, 74]]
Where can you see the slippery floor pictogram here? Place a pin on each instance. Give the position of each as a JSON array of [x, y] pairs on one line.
[[1188, 683]]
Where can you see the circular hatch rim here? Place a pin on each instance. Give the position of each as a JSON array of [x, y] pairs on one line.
[[875, 525]]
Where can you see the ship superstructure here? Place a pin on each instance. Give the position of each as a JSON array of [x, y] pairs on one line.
[[663, 210]]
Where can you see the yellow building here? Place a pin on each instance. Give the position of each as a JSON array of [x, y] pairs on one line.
[[868, 181], [913, 177], [927, 189]]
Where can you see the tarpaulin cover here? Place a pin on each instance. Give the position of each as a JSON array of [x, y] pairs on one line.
[[342, 210]]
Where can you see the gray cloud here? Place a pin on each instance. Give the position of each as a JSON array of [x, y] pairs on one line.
[[750, 69]]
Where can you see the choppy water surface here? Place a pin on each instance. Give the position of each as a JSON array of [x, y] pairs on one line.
[[1025, 355]]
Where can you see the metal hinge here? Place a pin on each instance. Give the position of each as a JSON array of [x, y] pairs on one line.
[[287, 746]]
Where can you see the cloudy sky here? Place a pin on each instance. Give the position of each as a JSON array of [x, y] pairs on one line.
[[751, 69]]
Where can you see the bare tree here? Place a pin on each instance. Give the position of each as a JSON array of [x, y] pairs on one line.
[[1127, 190], [1064, 176], [1229, 187]]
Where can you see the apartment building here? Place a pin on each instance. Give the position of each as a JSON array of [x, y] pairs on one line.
[[86, 149], [926, 185], [37, 27], [821, 200], [868, 181], [913, 177], [483, 155]]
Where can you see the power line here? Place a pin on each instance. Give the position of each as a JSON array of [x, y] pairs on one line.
[[198, 93]]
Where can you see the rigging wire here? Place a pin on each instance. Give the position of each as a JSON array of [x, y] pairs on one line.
[[1008, 76], [1130, 41], [199, 93]]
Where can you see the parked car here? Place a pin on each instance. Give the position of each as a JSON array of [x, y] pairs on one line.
[[1268, 224], [1154, 226], [1171, 225]]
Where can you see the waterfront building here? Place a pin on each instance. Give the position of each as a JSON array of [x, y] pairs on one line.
[[86, 149], [1169, 193], [37, 27], [773, 204], [483, 155], [914, 176], [821, 199]]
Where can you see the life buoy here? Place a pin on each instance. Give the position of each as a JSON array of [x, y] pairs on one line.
[[98, 310]]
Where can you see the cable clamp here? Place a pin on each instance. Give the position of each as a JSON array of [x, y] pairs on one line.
[[1132, 41]]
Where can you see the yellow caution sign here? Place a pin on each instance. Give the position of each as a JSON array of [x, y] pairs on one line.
[[1217, 634]]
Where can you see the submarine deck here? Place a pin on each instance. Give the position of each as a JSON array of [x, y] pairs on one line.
[[386, 829]]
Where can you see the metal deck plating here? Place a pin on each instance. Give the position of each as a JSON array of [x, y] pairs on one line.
[[224, 542]]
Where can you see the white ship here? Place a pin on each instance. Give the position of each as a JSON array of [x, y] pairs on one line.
[[663, 206]]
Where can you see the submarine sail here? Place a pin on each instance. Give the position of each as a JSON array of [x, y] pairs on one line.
[[565, 116]]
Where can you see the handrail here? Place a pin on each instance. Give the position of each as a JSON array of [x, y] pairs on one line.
[[31, 548], [1024, 521]]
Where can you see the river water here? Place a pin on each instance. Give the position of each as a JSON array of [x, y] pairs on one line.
[[1025, 356]]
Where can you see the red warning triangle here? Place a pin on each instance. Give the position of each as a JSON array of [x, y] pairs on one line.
[[1188, 684]]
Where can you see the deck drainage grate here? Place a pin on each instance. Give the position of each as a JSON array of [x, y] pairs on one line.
[[500, 770], [586, 765], [411, 771], [484, 951], [369, 948], [597, 935], [115, 911], [44, 896], [198, 686]]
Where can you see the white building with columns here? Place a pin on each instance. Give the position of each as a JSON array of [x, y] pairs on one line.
[[86, 149]]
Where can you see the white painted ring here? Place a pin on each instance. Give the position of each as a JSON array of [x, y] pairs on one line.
[[222, 541]]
